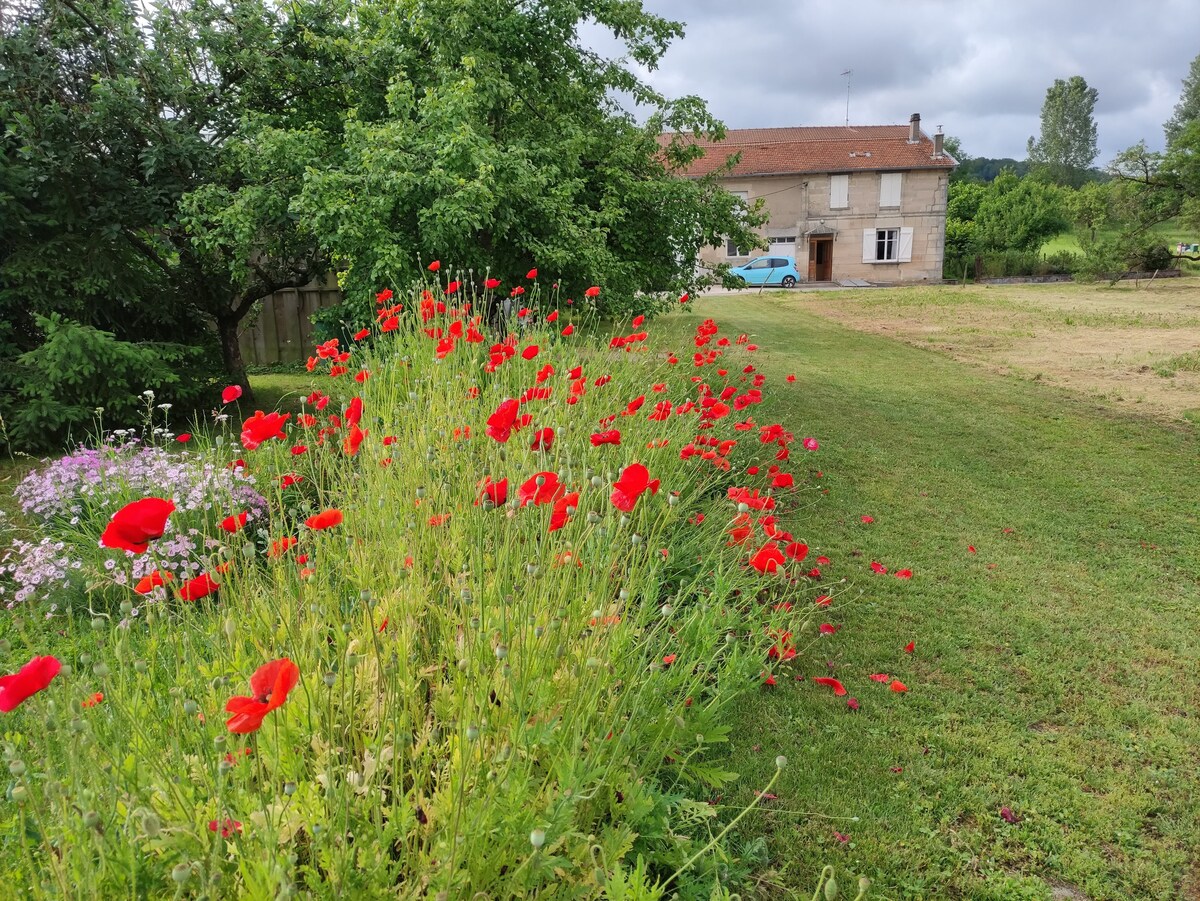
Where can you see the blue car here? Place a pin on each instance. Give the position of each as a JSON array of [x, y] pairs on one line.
[[769, 271]]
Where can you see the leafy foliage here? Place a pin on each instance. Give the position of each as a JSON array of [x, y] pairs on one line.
[[78, 369], [1067, 145], [1187, 110]]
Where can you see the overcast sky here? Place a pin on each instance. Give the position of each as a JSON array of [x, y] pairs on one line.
[[979, 68]]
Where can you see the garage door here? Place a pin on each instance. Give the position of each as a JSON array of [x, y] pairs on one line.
[[784, 245]]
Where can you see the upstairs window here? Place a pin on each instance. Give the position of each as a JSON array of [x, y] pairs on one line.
[[839, 192], [890, 184]]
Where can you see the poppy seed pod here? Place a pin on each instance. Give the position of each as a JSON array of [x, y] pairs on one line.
[[181, 873], [501, 652], [91, 819], [17, 768], [780, 762]]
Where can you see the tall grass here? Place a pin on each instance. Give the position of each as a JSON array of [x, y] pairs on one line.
[[485, 707]]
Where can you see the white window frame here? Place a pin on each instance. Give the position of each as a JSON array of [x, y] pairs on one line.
[[891, 188], [896, 240], [839, 192]]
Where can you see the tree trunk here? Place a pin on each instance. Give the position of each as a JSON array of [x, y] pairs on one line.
[[231, 355]]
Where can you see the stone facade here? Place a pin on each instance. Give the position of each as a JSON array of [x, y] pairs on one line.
[[799, 206], [865, 202]]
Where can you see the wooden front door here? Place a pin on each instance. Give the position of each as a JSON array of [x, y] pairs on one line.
[[820, 259]]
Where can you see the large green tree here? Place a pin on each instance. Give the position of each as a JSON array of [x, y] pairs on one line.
[[1187, 110], [487, 134], [1067, 145], [148, 161]]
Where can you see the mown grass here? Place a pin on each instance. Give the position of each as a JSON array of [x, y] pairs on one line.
[[1054, 669]]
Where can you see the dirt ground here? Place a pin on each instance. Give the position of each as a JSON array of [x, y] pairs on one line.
[[1121, 345]]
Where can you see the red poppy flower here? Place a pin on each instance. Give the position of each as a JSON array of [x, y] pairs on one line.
[[547, 492], [568, 331], [199, 587], [634, 481], [668, 660], [390, 324], [560, 515], [543, 439], [532, 273], [383, 296], [184, 438], [611, 436], [269, 686], [361, 376], [768, 558], [501, 423], [232, 524], [326, 519], [495, 492], [434, 266], [262, 427], [281, 546], [353, 441], [27, 681], [439, 519], [289, 480], [910, 647], [228, 827], [898, 686], [838, 688], [92, 701], [797, 550], [823, 601], [970, 548], [852, 703], [828, 628], [903, 574], [553, 317], [492, 283], [593, 291], [810, 444], [791, 378], [529, 352], [878, 567], [683, 298], [361, 333], [148, 583], [231, 393], [135, 525]]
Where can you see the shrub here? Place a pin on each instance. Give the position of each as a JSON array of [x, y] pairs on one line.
[[78, 369]]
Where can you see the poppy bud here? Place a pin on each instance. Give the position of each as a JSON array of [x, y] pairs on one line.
[[98, 623], [100, 669], [139, 666], [831, 889], [420, 491], [289, 788], [91, 819], [190, 708], [636, 539], [330, 679], [780, 762], [472, 733], [537, 838], [17, 768], [667, 610], [151, 825], [230, 628], [501, 652], [126, 607], [181, 873]]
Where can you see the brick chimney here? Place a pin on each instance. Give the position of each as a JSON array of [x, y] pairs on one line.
[[938, 144], [914, 128]]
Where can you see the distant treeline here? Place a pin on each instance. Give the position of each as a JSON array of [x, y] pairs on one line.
[[985, 169]]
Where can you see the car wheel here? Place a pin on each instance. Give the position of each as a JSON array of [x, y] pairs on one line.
[[789, 281]]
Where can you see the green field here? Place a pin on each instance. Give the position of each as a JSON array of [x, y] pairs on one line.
[[1169, 233], [1055, 669]]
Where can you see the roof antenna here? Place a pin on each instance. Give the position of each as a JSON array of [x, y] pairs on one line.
[[848, 73]]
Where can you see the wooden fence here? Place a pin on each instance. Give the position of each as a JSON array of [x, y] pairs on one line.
[[282, 331]]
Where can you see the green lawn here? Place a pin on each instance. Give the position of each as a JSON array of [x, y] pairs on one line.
[[1055, 670], [1170, 233]]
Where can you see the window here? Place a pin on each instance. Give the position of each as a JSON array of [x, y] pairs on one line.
[[887, 241], [887, 245], [839, 192], [783, 239], [778, 263], [890, 184], [760, 263]]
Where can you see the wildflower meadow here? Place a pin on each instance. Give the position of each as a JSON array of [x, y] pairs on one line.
[[467, 622]]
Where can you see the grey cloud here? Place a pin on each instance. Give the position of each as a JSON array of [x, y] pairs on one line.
[[980, 69]]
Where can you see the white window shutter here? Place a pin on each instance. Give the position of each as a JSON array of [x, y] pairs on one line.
[[889, 188], [905, 245], [868, 245], [839, 192]]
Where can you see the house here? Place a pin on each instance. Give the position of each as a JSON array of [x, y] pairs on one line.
[[863, 202]]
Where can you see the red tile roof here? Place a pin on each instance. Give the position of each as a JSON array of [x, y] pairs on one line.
[[809, 149]]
